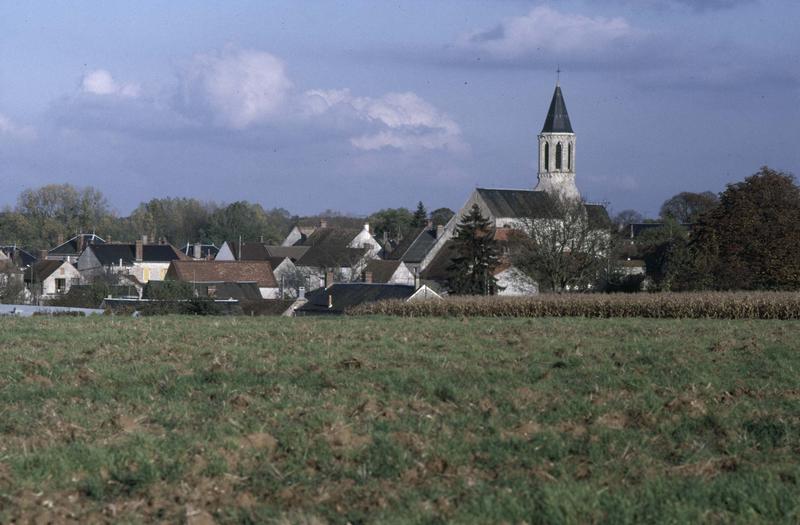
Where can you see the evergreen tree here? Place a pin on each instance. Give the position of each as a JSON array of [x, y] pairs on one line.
[[476, 256], [420, 216]]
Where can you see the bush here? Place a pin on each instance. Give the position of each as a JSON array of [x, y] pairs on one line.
[[712, 305]]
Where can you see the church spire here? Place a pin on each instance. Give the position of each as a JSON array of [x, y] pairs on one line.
[[557, 120]]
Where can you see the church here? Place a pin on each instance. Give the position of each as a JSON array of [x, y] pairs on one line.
[[510, 209]]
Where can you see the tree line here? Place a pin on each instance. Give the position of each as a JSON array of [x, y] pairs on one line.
[[46, 214]]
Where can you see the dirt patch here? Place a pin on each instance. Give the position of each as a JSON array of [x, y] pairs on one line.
[[613, 420], [524, 431], [259, 441], [341, 437]]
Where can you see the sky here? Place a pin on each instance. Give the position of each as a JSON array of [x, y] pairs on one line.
[[358, 105]]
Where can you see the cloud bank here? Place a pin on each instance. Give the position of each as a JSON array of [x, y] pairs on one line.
[[100, 82]]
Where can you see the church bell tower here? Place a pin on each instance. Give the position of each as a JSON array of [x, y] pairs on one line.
[[557, 151]]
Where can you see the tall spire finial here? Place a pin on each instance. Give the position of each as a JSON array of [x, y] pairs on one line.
[[558, 75]]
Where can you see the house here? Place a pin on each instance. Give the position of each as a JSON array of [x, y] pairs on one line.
[[387, 272], [214, 274], [72, 249], [16, 255], [49, 279], [336, 298], [200, 251], [305, 227], [413, 249], [140, 260], [511, 281], [344, 251], [256, 251]]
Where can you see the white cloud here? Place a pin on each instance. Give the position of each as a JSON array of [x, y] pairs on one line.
[[545, 30], [100, 82], [238, 87], [397, 120], [11, 129]]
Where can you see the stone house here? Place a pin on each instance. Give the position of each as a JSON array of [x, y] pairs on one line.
[[336, 298], [143, 261]]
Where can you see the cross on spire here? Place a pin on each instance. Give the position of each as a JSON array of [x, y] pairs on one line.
[[558, 75]]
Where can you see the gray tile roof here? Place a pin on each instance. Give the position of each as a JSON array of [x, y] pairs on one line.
[[557, 120], [347, 295]]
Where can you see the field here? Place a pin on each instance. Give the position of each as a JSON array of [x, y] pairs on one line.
[[398, 420]]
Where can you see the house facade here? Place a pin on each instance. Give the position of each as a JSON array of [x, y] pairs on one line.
[[144, 262], [48, 279]]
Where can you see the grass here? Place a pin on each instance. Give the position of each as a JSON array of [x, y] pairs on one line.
[[398, 420]]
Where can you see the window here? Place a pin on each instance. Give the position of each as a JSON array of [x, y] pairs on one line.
[[558, 156], [546, 156], [569, 157], [61, 285]]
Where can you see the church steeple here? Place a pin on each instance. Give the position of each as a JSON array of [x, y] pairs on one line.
[[557, 150], [557, 120]]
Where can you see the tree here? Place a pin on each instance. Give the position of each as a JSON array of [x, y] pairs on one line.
[[687, 207], [627, 217], [442, 216], [246, 220], [420, 218], [472, 269], [667, 258], [12, 284], [563, 248], [749, 241], [396, 223]]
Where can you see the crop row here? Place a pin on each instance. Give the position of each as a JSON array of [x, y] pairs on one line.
[[713, 305]]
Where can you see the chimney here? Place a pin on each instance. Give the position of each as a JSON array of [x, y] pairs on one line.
[[368, 277], [330, 301], [198, 251], [323, 223], [430, 224], [140, 248], [60, 239], [42, 255], [417, 282], [328, 279], [109, 241], [439, 230], [79, 243], [301, 292], [366, 227], [144, 239]]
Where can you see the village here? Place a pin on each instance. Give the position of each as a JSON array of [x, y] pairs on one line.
[[327, 266]]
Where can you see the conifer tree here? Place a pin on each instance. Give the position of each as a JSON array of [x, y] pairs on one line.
[[476, 256], [420, 216]]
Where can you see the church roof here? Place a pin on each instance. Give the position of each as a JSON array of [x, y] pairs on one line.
[[557, 120]]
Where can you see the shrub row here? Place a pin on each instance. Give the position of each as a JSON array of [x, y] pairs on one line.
[[714, 305]]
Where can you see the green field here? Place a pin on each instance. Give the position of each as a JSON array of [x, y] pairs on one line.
[[395, 420]]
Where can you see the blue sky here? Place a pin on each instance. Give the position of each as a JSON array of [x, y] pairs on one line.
[[358, 106]]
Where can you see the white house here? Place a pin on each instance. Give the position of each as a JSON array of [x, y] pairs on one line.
[[145, 262], [49, 279]]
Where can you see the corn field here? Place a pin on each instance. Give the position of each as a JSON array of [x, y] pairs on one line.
[[700, 305]]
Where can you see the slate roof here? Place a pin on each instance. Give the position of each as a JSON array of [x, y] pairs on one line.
[[396, 251], [292, 252], [259, 272], [382, 271], [109, 254], [347, 295], [437, 269], [338, 236], [557, 120], [420, 247], [328, 247], [306, 223], [71, 246], [517, 203], [251, 251], [41, 270], [206, 250], [18, 256]]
